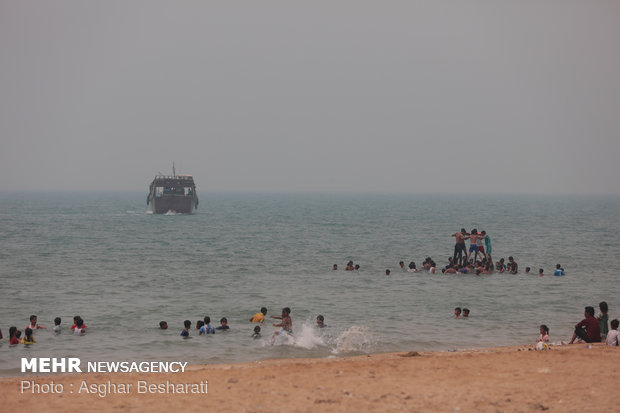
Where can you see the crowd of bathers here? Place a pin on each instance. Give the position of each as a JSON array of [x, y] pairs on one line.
[[15, 335], [203, 326], [475, 260]]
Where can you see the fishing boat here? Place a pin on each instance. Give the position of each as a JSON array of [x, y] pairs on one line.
[[173, 193]]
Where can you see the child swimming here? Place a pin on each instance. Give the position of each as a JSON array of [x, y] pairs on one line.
[[29, 339], [13, 339], [80, 328], [256, 334], [259, 317], [75, 320], [223, 324], [287, 322], [57, 326], [33, 323], [207, 328], [185, 332]]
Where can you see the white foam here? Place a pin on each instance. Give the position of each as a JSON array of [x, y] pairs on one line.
[[306, 337], [354, 339]]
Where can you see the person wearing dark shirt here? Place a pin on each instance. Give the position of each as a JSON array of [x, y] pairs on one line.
[[185, 332], [224, 324], [587, 329]]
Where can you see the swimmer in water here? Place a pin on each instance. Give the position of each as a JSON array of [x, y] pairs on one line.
[[185, 332], [33, 323], [287, 322], [259, 317], [223, 324], [207, 328]]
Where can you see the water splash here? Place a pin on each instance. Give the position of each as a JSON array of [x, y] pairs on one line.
[[353, 340], [307, 337]]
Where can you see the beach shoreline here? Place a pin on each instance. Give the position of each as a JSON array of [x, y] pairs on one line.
[[514, 378]]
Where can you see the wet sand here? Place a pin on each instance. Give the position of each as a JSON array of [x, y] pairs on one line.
[[505, 379]]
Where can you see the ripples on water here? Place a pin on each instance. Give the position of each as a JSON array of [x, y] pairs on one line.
[[104, 257]]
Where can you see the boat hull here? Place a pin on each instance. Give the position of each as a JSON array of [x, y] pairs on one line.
[[178, 204], [176, 193]]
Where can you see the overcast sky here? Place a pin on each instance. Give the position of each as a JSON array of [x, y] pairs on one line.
[[390, 96]]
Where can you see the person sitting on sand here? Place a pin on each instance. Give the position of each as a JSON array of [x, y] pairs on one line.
[[587, 329], [613, 337], [287, 322], [542, 342], [259, 317]]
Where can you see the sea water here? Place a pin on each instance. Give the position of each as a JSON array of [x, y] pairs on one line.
[[105, 257]]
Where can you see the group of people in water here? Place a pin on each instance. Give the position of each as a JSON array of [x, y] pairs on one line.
[[286, 324], [15, 335], [203, 326], [475, 260]]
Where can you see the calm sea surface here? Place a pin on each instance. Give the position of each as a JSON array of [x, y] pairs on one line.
[[104, 257]]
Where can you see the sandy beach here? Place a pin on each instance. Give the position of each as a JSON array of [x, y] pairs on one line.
[[504, 379]]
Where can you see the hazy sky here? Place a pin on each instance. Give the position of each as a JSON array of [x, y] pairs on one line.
[[395, 96]]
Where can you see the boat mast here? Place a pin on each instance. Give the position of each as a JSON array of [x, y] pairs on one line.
[[174, 173]]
